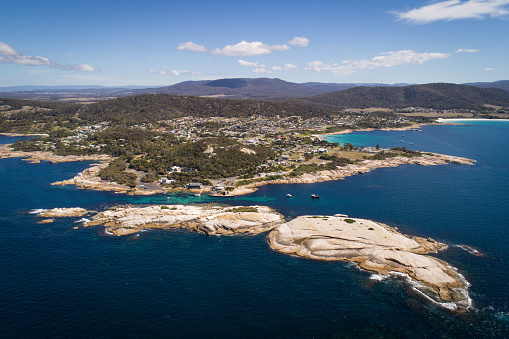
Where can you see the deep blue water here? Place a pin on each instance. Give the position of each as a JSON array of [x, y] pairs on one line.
[[59, 282]]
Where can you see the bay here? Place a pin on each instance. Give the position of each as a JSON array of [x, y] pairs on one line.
[[61, 282]]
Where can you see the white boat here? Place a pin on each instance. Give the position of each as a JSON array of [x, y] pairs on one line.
[[289, 195]]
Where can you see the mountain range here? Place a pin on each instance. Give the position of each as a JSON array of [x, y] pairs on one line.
[[438, 96], [235, 88]]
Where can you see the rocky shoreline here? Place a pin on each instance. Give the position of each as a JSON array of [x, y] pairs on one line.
[[364, 166], [38, 156], [207, 219], [377, 248], [373, 246]]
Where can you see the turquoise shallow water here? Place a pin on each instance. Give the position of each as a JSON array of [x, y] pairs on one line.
[[60, 282]]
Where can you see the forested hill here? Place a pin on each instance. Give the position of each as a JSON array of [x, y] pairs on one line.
[[244, 88], [438, 96], [150, 108]]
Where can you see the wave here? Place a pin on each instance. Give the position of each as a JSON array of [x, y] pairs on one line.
[[38, 211], [470, 250]]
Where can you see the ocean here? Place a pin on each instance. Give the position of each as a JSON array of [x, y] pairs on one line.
[[60, 282]]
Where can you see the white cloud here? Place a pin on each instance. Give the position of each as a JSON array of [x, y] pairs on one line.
[[454, 10], [289, 67], [191, 46], [243, 48], [7, 50], [299, 41], [11, 56], [85, 68], [489, 69], [261, 68], [249, 48], [386, 59], [248, 63], [467, 50], [174, 72]]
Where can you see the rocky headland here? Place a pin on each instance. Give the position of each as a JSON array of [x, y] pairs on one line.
[[427, 159], [38, 156], [374, 247]]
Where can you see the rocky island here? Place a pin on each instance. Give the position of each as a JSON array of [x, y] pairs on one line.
[[377, 248], [373, 246], [204, 219]]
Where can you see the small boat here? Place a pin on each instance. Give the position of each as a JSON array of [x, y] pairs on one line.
[[315, 196], [288, 195], [197, 195]]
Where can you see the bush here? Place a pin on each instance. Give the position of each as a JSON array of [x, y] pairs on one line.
[[350, 221], [243, 209]]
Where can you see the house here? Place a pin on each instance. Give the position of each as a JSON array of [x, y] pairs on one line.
[[194, 185], [175, 169]]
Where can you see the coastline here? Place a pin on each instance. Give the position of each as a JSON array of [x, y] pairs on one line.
[[38, 156], [88, 178], [8, 134], [413, 127], [377, 248], [373, 246], [363, 167], [452, 120]]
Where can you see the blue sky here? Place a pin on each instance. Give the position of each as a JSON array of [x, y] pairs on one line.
[[158, 43]]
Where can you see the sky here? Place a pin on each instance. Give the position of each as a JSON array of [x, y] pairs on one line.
[[160, 43]]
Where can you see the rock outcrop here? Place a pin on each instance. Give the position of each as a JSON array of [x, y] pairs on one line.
[[375, 247], [63, 212], [204, 219]]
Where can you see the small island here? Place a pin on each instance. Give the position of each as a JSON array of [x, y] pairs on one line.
[[377, 248], [209, 220], [373, 246]]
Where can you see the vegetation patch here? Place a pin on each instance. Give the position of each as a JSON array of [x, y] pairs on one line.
[[350, 221], [243, 209]]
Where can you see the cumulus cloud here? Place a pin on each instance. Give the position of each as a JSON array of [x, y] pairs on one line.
[[244, 48], [10, 56], [248, 63], [191, 46], [249, 48], [454, 10], [467, 50], [289, 67], [174, 72], [386, 59], [299, 41], [261, 68]]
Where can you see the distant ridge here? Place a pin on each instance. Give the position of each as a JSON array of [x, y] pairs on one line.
[[502, 84], [438, 96], [233, 88], [245, 88]]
